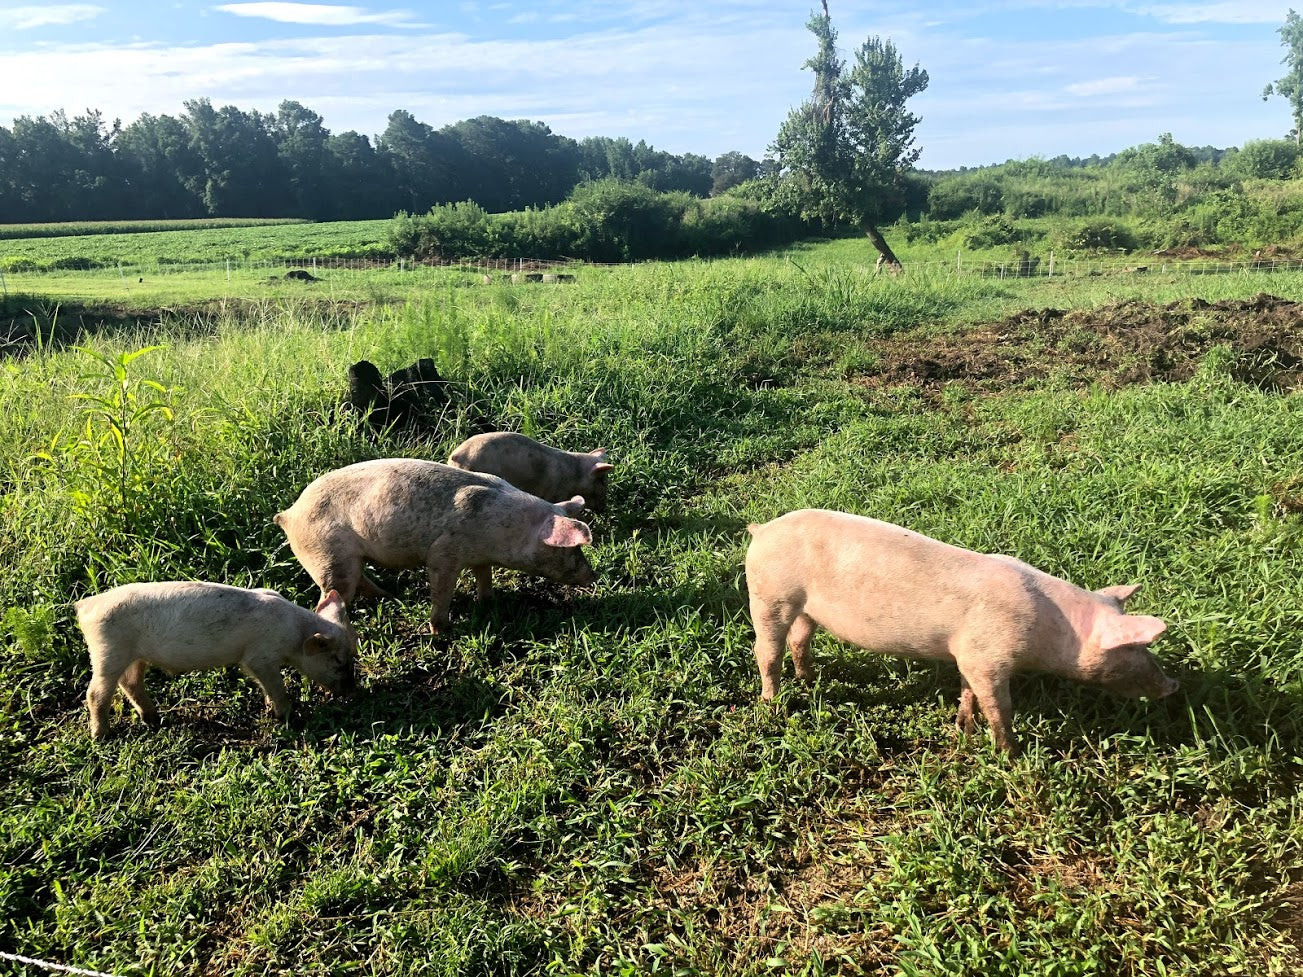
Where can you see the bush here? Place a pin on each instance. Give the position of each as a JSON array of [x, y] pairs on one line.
[[1095, 234]]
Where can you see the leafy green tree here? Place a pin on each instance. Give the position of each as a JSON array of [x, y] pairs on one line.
[[301, 145], [161, 168], [1290, 87], [844, 153], [731, 169]]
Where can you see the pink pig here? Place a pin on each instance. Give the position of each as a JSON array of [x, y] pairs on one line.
[[538, 469], [891, 590], [404, 513]]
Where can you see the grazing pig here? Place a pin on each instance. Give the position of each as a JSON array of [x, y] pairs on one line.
[[891, 590], [403, 513], [188, 626], [538, 469]]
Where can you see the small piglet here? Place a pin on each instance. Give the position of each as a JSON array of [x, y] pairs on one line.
[[538, 469], [891, 590], [404, 512], [188, 626]]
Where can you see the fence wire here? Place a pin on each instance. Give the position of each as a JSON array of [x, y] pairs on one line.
[[1034, 267]]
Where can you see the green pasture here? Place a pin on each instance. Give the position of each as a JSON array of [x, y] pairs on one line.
[[584, 782]]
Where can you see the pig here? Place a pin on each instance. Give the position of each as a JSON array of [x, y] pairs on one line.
[[547, 472], [188, 626], [891, 590], [404, 512]]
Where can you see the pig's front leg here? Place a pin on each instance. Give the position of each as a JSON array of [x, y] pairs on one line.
[[483, 581], [268, 676], [964, 720], [991, 689], [443, 581]]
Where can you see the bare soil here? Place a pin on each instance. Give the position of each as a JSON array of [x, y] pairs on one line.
[[1115, 345]]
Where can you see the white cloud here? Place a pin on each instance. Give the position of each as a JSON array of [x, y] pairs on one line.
[[319, 14], [1224, 12], [56, 15], [1103, 86]]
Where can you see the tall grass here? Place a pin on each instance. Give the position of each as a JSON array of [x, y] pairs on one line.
[[583, 782]]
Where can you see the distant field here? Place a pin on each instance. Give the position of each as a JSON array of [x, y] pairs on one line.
[[583, 782], [184, 245], [79, 228]]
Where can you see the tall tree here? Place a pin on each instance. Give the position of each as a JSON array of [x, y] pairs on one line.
[[843, 154], [731, 169], [1290, 87]]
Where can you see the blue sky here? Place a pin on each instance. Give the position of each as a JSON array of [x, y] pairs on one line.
[[1009, 78]]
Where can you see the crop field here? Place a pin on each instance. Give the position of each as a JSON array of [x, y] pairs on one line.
[[584, 781]]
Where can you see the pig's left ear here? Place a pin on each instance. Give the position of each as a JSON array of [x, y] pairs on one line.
[[599, 453], [1121, 593], [1129, 629], [603, 466], [560, 531], [332, 599], [572, 506]]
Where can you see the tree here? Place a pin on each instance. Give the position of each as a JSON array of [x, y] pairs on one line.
[[1290, 87], [844, 153], [731, 169]]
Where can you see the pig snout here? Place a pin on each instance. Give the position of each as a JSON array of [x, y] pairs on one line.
[[1169, 686]]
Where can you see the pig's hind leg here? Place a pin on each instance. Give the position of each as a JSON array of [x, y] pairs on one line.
[[132, 684], [772, 623], [798, 640], [99, 699]]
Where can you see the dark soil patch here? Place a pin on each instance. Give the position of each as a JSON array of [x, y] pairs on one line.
[[1130, 342], [29, 323]]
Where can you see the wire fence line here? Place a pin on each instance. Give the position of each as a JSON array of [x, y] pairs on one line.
[[522, 268]]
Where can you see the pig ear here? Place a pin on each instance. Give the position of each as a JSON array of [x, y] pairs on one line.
[[318, 644], [1121, 593], [560, 531], [599, 453], [573, 506], [603, 466], [331, 599], [1129, 629]]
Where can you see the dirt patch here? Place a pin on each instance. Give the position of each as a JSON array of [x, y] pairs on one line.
[[1130, 342], [28, 323]]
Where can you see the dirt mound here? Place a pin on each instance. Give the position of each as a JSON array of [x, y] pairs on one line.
[[1130, 342]]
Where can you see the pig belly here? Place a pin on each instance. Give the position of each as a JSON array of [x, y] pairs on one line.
[[897, 629]]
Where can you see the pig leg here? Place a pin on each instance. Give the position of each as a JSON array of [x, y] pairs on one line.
[[132, 685], [991, 689], [798, 640], [966, 705], [99, 697], [483, 581], [369, 588], [443, 581], [772, 624], [268, 676]]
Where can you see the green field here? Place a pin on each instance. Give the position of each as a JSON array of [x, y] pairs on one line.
[[584, 781]]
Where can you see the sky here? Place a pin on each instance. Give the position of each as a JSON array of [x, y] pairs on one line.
[[1009, 79]]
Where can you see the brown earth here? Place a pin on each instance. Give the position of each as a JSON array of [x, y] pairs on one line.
[[1129, 342]]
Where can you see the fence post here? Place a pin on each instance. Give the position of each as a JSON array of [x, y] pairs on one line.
[[3, 284], [959, 262], [1051, 274]]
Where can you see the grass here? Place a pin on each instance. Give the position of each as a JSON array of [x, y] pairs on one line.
[[79, 228], [584, 782]]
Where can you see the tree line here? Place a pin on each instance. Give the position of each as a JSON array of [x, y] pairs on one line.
[[227, 162]]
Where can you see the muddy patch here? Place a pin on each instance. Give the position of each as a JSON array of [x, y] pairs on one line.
[[1126, 343]]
